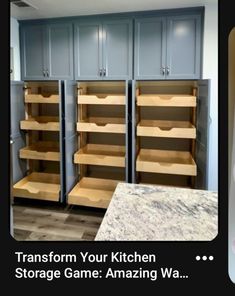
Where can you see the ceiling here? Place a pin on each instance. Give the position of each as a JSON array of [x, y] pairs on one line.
[[62, 8]]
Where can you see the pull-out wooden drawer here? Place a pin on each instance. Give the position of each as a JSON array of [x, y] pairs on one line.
[[166, 162], [41, 123], [41, 151], [166, 129], [102, 125], [37, 98], [105, 155], [38, 186], [102, 99], [166, 100], [92, 192]]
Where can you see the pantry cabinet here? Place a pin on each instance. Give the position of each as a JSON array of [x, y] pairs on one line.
[[103, 50], [170, 128], [47, 52], [102, 157], [168, 47], [38, 144]]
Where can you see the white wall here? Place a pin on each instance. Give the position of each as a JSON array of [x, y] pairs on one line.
[[16, 47], [210, 71]]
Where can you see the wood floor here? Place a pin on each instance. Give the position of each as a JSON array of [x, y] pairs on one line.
[[45, 221]]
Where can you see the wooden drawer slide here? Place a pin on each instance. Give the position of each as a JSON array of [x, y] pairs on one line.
[[166, 129], [41, 151], [92, 192], [102, 125], [166, 100], [38, 186], [41, 123], [37, 98], [102, 99], [104, 155], [166, 162]]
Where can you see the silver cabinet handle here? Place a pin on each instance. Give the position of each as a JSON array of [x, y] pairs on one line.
[[44, 73], [47, 72], [104, 72], [167, 70], [101, 72], [163, 70]]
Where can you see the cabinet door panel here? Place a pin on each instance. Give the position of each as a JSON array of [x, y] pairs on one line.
[[150, 48], [18, 166], [70, 134], [88, 51], [183, 47], [117, 49], [202, 127], [60, 51], [33, 52]]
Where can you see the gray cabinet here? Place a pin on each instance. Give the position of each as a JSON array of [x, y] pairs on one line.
[[168, 47], [88, 50], [47, 52], [183, 47], [150, 48], [33, 44], [103, 50], [60, 51]]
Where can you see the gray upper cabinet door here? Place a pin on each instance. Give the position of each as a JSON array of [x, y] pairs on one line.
[[183, 47], [117, 49], [150, 48], [60, 51], [88, 51], [33, 46]]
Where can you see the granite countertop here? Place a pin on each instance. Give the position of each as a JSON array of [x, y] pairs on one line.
[[147, 212]]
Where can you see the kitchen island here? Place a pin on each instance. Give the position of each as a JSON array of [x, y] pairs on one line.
[[159, 213]]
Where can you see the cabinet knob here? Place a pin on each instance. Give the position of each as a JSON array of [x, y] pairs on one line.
[[104, 72], [163, 70], [167, 70], [44, 73], [101, 72], [47, 72]]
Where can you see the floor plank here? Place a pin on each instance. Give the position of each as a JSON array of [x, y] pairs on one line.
[[37, 221]]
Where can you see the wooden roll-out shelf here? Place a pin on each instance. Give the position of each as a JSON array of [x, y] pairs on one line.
[[102, 99], [93, 192], [97, 154], [166, 162], [166, 129], [102, 125], [41, 151], [41, 123], [38, 186], [166, 100], [37, 98]]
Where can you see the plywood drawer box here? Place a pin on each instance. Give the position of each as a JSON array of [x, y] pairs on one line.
[[41, 123], [102, 125], [93, 192], [105, 155], [37, 98], [166, 162], [41, 151], [166, 129], [102, 99], [166, 100], [38, 186]]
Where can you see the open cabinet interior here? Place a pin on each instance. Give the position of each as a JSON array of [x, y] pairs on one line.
[[42, 154], [102, 142], [165, 119]]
